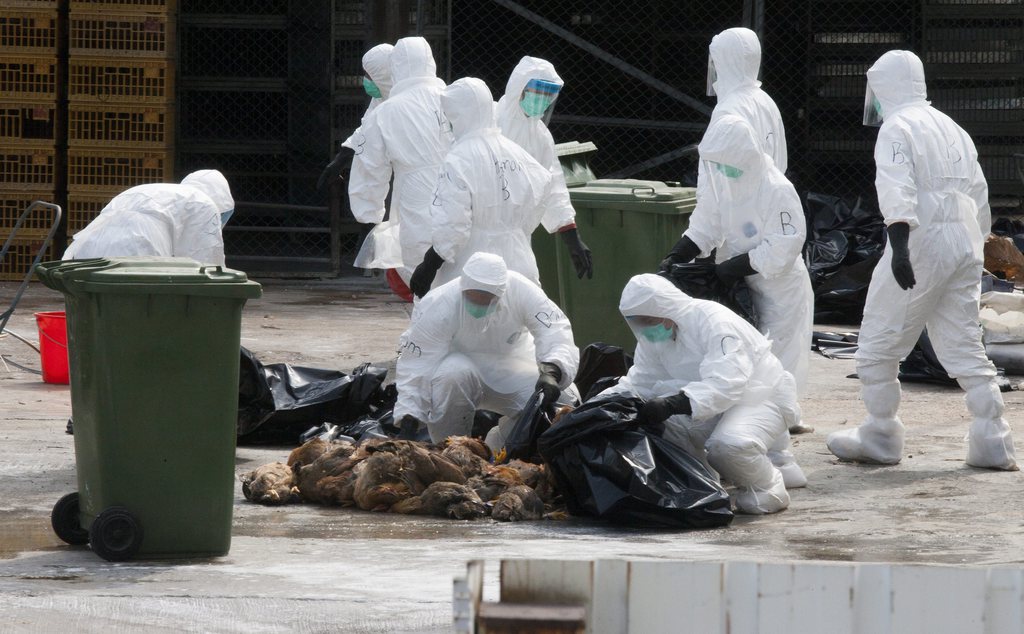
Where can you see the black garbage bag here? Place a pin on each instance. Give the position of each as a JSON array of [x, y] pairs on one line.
[[599, 361], [607, 466], [698, 279], [483, 421], [277, 402], [521, 442]]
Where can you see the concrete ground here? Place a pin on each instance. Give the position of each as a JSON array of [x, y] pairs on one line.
[[310, 569]]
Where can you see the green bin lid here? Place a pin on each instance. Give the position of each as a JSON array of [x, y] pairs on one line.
[[147, 275], [635, 195]]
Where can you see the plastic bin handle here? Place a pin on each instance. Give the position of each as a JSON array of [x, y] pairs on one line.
[[644, 192], [217, 270]]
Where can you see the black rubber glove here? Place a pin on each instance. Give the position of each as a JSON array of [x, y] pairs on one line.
[[580, 254], [547, 384], [684, 251], [734, 269], [335, 167], [658, 410], [899, 236], [409, 427], [425, 273]]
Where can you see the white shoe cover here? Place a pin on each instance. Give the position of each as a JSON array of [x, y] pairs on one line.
[[990, 445], [792, 474], [754, 500], [876, 441]]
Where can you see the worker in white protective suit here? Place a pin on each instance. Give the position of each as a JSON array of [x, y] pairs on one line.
[[934, 199], [407, 135], [523, 113], [712, 379], [488, 340], [161, 219], [491, 194], [377, 84]]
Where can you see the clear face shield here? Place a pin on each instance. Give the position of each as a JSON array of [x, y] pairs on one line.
[[538, 99], [722, 178], [478, 309], [872, 108], [712, 77], [652, 329]]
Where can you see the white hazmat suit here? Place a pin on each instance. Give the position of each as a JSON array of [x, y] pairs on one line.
[[406, 135], [452, 363], [928, 177], [741, 398], [491, 194], [377, 66], [161, 219]]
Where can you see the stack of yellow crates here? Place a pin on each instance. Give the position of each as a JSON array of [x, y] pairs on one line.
[[121, 100], [28, 111]]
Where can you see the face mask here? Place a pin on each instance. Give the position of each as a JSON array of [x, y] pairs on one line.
[[538, 97], [371, 88], [477, 311], [878, 106], [656, 333], [729, 170], [225, 216]]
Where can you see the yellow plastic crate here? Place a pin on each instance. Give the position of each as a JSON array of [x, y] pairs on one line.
[[115, 125], [26, 167], [120, 81], [27, 122], [103, 169], [13, 203], [20, 257], [168, 7], [28, 77], [119, 34], [83, 207], [30, 4], [29, 31]]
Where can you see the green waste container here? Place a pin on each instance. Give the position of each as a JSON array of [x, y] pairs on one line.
[[629, 226], [153, 349]]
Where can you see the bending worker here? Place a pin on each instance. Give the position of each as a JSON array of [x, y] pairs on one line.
[[934, 199], [491, 194], [713, 380], [406, 135], [488, 339], [523, 114], [161, 219]]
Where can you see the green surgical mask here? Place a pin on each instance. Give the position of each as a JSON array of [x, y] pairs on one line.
[[729, 170], [877, 105], [656, 333], [476, 310], [371, 88], [534, 104]]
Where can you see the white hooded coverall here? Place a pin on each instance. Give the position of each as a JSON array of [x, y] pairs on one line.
[[160, 219], [407, 135], [742, 398], [927, 175], [491, 194], [452, 364], [377, 66], [532, 134]]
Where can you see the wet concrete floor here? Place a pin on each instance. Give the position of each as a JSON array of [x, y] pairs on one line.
[[311, 569]]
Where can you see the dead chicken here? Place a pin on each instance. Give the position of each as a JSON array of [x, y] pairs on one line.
[[272, 484], [444, 499], [517, 504]]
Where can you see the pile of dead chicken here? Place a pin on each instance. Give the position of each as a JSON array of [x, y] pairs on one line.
[[456, 481]]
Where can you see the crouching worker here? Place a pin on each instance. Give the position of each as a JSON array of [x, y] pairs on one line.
[[712, 380], [488, 339]]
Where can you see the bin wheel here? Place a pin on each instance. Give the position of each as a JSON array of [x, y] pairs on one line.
[[115, 534], [65, 522]]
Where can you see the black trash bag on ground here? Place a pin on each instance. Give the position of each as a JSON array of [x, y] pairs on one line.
[[483, 421], [698, 279], [844, 243], [607, 466], [278, 402], [599, 361], [922, 365], [521, 442]]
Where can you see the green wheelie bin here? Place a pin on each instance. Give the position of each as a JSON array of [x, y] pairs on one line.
[[153, 349]]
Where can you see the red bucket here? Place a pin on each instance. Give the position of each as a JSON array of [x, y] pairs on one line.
[[53, 346]]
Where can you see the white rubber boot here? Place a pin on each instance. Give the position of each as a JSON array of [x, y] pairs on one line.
[[760, 500], [879, 439], [990, 442], [785, 462]]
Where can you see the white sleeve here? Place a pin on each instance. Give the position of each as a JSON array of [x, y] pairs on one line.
[[978, 191], [784, 235], [451, 212], [423, 346], [199, 235], [551, 330], [895, 181], [370, 175], [725, 372], [560, 212], [643, 375], [705, 224]]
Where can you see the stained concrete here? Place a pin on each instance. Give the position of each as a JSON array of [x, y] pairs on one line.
[[309, 569]]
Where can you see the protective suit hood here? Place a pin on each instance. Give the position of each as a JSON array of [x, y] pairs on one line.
[[377, 64], [412, 58], [485, 272], [736, 54], [654, 296], [730, 140], [468, 105], [213, 184], [897, 80]]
